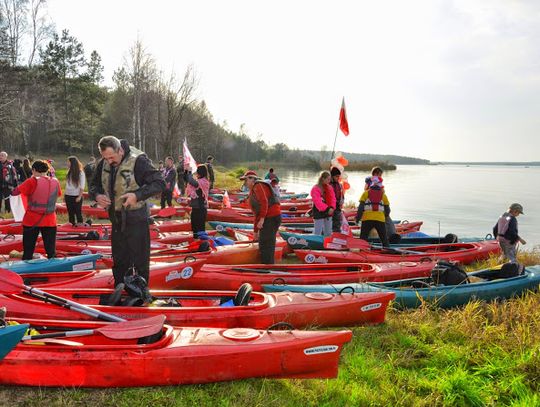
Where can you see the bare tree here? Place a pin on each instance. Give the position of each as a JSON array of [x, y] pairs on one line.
[[14, 12], [40, 28], [176, 98], [142, 73]]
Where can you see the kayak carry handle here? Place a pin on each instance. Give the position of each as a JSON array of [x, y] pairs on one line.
[[81, 243], [345, 288], [189, 259], [278, 281], [280, 326], [9, 236], [426, 259], [489, 236]]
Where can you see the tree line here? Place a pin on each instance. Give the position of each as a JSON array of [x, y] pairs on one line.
[[52, 98]]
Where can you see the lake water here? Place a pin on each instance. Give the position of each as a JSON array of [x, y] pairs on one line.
[[460, 199]]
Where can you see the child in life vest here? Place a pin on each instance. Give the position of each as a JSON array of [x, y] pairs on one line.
[[375, 181], [42, 192], [506, 231]]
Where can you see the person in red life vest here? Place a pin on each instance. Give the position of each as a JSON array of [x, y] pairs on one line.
[[169, 175], [506, 232], [338, 193], [267, 213], [373, 209], [197, 190], [42, 192], [324, 204]]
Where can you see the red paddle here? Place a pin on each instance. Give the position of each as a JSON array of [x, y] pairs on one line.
[[165, 212], [135, 329], [12, 283]]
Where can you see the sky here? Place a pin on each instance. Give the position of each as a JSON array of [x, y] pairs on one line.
[[436, 79]]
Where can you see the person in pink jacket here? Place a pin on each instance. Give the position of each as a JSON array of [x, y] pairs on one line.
[[324, 204]]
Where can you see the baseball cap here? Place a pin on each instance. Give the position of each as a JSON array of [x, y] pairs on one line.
[[249, 173], [517, 207]]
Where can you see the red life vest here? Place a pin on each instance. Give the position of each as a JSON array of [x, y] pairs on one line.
[[43, 199], [272, 198], [374, 201]]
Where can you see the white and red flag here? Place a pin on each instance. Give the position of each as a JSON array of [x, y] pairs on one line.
[[226, 200], [343, 123], [189, 162]]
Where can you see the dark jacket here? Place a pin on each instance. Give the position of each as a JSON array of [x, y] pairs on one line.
[[148, 177], [89, 171], [170, 179], [211, 176]]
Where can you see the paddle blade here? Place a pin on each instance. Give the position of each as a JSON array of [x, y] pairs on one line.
[[10, 282], [167, 212], [138, 328]]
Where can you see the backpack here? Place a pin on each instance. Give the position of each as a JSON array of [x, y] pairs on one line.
[[445, 273]]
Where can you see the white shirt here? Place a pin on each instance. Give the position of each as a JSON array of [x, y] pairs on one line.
[[74, 190]]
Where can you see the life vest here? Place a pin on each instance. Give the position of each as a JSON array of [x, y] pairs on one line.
[[204, 186], [9, 175], [502, 226], [317, 214], [272, 197], [43, 199], [374, 201], [338, 192], [124, 182]]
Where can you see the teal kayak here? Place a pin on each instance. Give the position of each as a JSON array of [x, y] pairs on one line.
[[73, 263], [10, 336], [490, 287], [316, 242]]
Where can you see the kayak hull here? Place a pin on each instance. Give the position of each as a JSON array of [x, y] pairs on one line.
[[440, 296], [202, 308], [464, 253], [181, 356]]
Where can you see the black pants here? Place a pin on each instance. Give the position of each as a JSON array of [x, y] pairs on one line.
[[30, 235], [198, 219], [74, 208], [267, 239], [130, 248], [336, 221], [166, 197], [380, 227]]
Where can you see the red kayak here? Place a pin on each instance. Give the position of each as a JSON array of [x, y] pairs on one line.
[[464, 253], [189, 276], [202, 308], [240, 253], [179, 356]]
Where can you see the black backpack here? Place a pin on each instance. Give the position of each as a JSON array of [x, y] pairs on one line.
[[446, 273]]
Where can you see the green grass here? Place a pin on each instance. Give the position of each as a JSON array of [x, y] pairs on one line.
[[480, 354]]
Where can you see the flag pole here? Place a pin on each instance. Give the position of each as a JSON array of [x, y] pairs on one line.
[[334, 146]]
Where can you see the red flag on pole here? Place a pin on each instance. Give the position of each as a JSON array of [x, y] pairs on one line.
[[343, 123]]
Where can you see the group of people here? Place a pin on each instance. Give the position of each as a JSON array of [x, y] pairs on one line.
[[328, 198], [125, 179]]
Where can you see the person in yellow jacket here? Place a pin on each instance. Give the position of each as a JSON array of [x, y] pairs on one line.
[[373, 209]]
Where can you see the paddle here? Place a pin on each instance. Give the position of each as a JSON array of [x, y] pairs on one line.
[[165, 212], [138, 328], [12, 283]]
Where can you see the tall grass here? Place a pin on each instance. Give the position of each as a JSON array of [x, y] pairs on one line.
[[476, 355]]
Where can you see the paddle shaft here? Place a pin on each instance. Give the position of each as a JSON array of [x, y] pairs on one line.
[[71, 305]]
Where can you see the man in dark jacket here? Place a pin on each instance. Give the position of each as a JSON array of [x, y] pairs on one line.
[[90, 170], [169, 175], [125, 178]]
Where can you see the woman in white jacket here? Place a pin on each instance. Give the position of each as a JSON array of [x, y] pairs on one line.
[[75, 182]]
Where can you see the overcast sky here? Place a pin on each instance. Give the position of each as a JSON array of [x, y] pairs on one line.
[[442, 80]]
